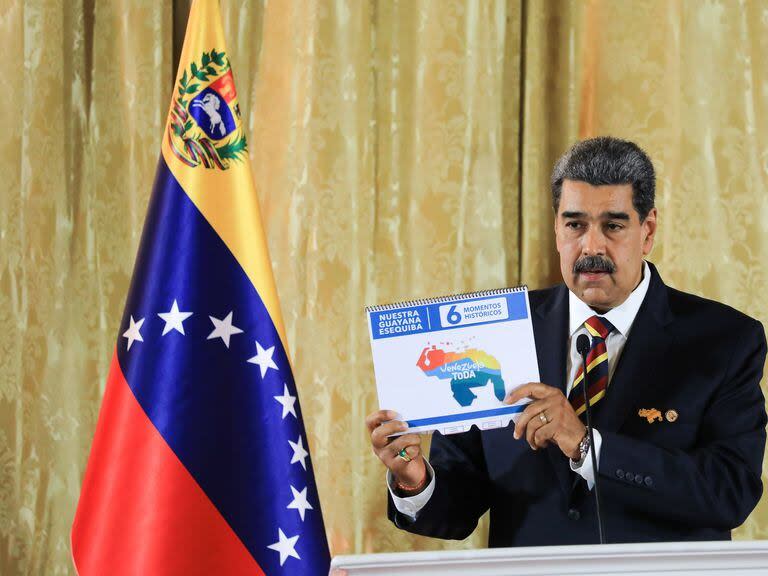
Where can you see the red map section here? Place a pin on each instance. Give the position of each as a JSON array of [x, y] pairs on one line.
[[431, 358]]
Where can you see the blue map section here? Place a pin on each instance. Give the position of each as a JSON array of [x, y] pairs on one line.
[[214, 408], [464, 376], [395, 322]]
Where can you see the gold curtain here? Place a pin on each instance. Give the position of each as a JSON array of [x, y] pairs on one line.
[[401, 148], [86, 87]]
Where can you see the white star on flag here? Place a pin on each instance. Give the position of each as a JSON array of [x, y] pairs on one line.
[[264, 359], [300, 502], [174, 319], [285, 546], [299, 454], [223, 329], [287, 401], [134, 332]]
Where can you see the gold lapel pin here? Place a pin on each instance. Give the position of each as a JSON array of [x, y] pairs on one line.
[[651, 415], [671, 415]]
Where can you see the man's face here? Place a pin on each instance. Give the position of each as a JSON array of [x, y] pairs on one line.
[[601, 242]]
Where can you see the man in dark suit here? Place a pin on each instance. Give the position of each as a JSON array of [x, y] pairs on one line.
[[674, 379]]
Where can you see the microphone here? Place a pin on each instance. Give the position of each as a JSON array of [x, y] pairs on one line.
[[582, 347]]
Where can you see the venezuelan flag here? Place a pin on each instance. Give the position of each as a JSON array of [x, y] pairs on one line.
[[199, 463]]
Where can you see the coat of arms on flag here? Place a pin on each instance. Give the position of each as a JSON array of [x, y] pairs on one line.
[[204, 126], [200, 461]]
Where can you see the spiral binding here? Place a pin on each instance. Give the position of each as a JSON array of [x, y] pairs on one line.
[[443, 299]]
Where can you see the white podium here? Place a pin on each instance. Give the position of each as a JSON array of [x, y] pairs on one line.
[[740, 558]]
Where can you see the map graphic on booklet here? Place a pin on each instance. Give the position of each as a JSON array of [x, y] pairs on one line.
[[448, 363]]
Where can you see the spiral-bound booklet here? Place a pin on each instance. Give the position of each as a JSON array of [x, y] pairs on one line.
[[448, 363]]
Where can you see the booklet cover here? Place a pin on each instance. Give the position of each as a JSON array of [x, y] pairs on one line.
[[448, 363]]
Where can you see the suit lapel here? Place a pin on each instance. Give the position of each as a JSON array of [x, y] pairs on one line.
[[641, 358], [551, 332], [640, 361]]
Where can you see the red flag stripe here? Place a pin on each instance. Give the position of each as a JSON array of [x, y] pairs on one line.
[[167, 524]]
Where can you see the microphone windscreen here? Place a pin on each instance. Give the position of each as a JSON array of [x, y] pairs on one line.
[[582, 344]]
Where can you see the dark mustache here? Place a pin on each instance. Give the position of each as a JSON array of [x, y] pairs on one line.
[[593, 264]]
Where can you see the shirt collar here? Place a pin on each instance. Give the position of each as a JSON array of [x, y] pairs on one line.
[[621, 317]]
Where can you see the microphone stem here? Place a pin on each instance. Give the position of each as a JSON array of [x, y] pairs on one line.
[[592, 451]]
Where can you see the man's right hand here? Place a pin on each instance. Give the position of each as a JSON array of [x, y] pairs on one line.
[[381, 425]]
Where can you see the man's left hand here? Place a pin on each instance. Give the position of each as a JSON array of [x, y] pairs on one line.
[[549, 418]]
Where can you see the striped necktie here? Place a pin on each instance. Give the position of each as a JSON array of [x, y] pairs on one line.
[[597, 366]]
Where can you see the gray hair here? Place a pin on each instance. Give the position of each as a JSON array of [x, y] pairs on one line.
[[606, 160]]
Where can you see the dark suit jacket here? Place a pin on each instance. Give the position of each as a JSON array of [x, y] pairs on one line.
[[692, 479]]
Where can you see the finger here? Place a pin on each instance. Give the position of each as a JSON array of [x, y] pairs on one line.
[[535, 390], [380, 435], [543, 435], [376, 418], [413, 451], [404, 441], [532, 411], [533, 427], [395, 461]]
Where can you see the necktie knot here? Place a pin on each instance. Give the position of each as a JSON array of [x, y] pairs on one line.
[[598, 327]]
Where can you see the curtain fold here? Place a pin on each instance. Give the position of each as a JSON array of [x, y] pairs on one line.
[[401, 149], [86, 85]]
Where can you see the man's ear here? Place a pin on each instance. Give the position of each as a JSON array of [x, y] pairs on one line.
[[649, 230]]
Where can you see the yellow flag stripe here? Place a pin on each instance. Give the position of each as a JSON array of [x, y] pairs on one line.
[[226, 198]]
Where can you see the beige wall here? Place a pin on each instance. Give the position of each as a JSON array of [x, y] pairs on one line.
[[401, 149]]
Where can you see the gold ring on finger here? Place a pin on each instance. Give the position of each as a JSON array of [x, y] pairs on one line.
[[543, 417], [404, 455]]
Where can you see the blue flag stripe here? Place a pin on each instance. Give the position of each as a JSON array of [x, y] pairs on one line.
[[211, 405]]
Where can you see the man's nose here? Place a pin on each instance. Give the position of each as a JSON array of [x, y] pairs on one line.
[[593, 242]]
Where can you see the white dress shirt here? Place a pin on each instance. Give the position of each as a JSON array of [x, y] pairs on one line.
[[622, 317]]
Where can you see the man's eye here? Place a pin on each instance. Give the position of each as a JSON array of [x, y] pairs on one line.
[[573, 225], [613, 226]]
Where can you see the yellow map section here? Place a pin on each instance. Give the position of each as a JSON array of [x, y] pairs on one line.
[[483, 358], [477, 356]]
